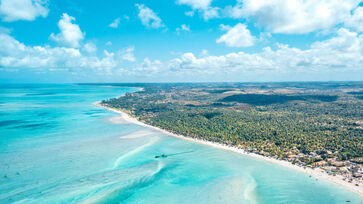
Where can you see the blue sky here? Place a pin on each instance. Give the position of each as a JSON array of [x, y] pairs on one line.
[[180, 40]]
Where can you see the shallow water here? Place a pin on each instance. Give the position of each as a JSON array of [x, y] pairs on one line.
[[56, 147]]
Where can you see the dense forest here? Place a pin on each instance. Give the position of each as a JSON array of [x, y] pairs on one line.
[[316, 120]]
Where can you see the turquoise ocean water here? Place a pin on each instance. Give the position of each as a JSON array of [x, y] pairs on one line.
[[56, 147]]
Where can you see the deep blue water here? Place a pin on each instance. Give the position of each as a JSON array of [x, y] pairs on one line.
[[56, 147]]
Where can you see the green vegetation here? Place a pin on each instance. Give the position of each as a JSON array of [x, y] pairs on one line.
[[319, 121], [264, 99]]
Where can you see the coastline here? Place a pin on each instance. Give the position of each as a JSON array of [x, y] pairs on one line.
[[316, 173]]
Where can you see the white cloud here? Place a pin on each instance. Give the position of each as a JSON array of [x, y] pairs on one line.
[[108, 43], [183, 27], [127, 54], [293, 16], [189, 13], [14, 54], [13, 10], [202, 6], [342, 52], [204, 53], [148, 17], [115, 23], [345, 43], [126, 17], [90, 47], [237, 36], [223, 27], [196, 4], [355, 21], [149, 67], [70, 33], [210, 13]]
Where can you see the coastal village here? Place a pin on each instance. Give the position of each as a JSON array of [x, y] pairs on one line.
[[350, 170]]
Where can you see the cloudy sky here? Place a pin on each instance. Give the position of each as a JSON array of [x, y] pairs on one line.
[[180, 40]]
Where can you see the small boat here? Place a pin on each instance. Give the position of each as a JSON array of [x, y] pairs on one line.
[[161, 156], [165, 155]]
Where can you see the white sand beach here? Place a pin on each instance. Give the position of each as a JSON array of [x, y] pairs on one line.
[[316, 173]]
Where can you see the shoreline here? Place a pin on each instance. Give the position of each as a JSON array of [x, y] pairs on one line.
[[316, 173]]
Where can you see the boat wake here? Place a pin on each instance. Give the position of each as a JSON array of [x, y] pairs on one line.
[[134, 151]]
